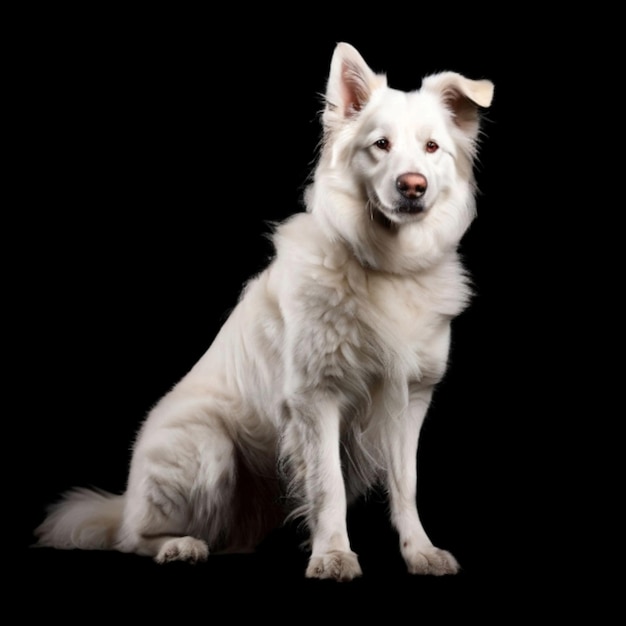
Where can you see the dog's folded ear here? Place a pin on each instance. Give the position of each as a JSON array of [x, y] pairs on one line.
[[350, 85], [462, 96]]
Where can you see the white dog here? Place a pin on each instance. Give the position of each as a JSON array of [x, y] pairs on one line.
[[316, 387]]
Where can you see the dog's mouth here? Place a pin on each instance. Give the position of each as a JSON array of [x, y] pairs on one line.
[[391, 219]]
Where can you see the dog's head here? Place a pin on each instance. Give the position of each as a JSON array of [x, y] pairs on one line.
[[400, 160]]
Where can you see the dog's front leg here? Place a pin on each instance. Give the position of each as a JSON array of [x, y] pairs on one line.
[[312, 445], [400, 442]]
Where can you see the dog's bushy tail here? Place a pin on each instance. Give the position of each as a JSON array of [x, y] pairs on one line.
[[86, 519]]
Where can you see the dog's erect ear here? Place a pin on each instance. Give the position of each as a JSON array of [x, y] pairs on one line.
[[462, 96], [350, 84]]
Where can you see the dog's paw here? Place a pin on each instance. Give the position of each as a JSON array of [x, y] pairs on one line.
[[431, 560], [186, 549], [337, 565]]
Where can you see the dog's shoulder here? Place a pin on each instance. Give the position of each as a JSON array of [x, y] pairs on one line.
[[300, 233]]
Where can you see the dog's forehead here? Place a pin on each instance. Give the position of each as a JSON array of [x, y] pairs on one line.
[[392, 107]]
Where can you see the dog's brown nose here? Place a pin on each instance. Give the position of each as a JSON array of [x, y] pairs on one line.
[[411, 185]]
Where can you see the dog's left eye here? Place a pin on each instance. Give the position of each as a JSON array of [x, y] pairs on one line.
[[432, 146], [383, 144]]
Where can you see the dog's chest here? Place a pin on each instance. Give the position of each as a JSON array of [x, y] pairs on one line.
[[357, 324]]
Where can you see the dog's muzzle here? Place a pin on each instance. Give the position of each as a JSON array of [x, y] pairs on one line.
[[411, 187]]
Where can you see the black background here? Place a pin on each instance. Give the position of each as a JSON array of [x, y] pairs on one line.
[[153, 150]]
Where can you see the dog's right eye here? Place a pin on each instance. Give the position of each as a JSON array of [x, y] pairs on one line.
[[383, 144]]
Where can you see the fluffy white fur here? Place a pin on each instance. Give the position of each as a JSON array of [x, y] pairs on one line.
[[316, 387]]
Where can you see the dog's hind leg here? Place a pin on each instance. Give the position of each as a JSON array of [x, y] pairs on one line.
[[181, 486]]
